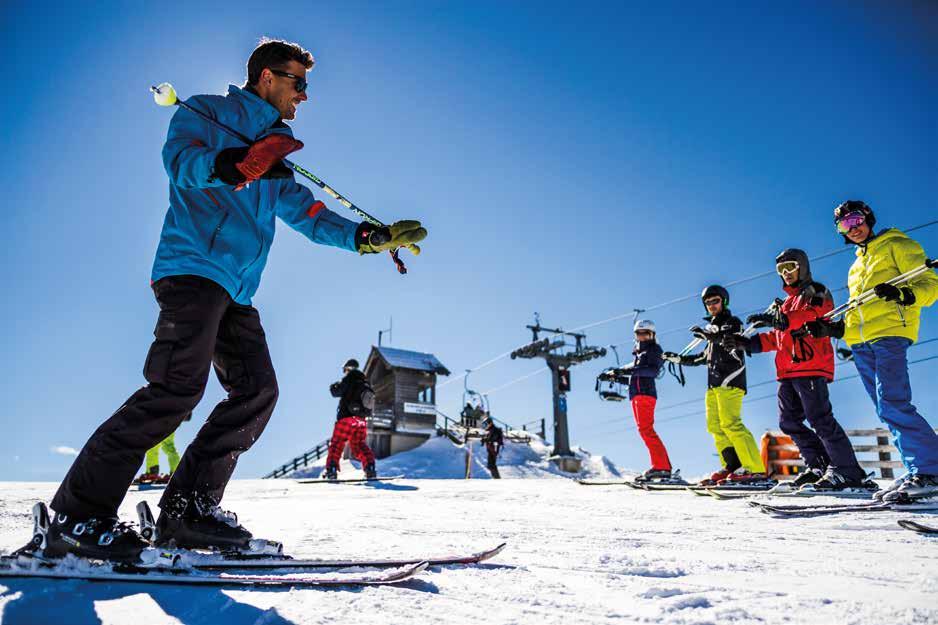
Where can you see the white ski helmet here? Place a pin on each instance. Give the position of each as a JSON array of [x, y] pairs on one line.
[[644, 324]]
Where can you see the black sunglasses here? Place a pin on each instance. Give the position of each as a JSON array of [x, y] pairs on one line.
[[300, 84]]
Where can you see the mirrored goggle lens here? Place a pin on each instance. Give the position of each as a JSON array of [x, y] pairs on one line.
[[850, 221], [789, 266], [710, 301]]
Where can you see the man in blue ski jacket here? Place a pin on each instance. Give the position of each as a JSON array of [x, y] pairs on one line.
[[223, 200]]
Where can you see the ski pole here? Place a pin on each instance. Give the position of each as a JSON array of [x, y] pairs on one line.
[[165, 95], [869, 295]]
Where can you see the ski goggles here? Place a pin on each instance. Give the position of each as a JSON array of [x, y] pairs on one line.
[[850, 221], [787, 266], [300, 84], [713, 301]]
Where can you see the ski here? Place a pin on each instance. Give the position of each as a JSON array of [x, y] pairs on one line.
[[608, 483], [220, 561], [662, 486], [267, 554], [352, 480], [32, 565], [916, 527], [827, 509], [861, 494]]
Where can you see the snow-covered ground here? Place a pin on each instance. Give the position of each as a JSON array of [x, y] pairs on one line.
[[576, 554]]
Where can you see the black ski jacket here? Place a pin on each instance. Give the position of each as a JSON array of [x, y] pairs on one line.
[[493, 436], [724, 367], [349, 391], [644, 369]]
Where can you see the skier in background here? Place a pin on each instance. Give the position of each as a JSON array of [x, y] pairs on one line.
[[152, 474], [356, 402], [880, 334], [726, 386], [223, 201], [494, 440], [805, 366]]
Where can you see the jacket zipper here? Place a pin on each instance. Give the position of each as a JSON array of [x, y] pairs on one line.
[[218, 228]]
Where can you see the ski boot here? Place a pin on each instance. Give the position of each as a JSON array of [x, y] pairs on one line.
[[331, 472], [806, 477], [833, 482], [916, 486], [199, 523], [744, 477], [653, 475], [100, 538], [715, 478], [371, 472], [883, 492], [809, 476]]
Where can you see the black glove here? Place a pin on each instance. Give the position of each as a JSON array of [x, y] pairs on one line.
[[821, 328], [736, 342], [892, 293], [672, 357], [769, 320]]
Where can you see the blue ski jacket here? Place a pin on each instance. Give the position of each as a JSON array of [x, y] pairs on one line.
[[221, 234]]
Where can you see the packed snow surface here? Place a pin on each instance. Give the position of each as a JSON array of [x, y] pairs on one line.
[[576, 554]]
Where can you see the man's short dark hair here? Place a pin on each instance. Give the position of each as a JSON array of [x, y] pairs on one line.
[[276, 53]]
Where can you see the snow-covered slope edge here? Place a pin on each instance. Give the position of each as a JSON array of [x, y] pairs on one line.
[[440, 458]]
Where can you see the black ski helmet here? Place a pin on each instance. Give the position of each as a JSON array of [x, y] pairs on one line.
[[716, 289], [351, 363], [804, 265], [855, 206]]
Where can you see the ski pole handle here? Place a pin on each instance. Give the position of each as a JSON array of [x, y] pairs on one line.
[[870, 294]]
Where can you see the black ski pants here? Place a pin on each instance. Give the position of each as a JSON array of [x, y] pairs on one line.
[[807, 399], [492, 456], [199, 326]]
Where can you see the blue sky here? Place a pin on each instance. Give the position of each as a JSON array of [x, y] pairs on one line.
[[575, 160]]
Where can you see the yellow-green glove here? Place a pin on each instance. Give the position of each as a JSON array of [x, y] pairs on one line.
[[371, 239]]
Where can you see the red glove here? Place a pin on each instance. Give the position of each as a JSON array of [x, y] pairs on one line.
[[242, 166]]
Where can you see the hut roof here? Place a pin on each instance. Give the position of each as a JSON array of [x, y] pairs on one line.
[[406, 359]]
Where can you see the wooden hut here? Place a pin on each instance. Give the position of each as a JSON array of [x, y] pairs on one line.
[[405, 398]]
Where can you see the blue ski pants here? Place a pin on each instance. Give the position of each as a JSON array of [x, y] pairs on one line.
[[884, 369]]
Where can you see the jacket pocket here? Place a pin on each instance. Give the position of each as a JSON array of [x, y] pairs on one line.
[[217, 231]]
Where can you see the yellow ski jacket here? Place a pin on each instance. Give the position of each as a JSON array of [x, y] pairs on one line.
[[885, 257]]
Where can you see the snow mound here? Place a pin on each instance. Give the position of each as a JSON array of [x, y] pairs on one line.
[[440, 458]]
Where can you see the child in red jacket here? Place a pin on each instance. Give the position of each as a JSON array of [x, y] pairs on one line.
[[804, 367]]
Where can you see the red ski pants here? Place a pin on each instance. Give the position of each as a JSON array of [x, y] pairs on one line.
[[643, 407], [354, 431]]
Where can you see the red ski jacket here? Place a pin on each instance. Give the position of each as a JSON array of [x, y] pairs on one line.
[[802, 357]]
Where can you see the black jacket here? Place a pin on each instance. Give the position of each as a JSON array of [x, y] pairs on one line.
[[493, 435], [724, 367], [644, 369], [349, 391]]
